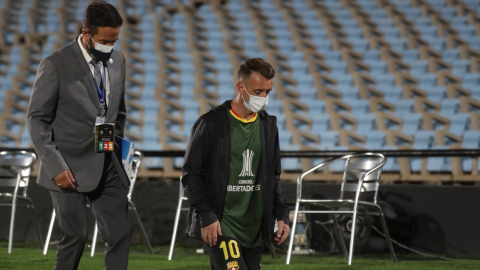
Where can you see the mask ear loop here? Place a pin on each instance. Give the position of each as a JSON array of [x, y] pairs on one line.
[[246, 92], [91, 55]]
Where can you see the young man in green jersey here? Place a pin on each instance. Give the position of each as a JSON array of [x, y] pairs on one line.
[[232, 175]]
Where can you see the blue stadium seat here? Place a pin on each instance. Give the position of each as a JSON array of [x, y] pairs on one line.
[[422, 21], [376, 66], [366, 123], [348, 92], [338, 67], [412, 122], [439, 164], [459, 123], [389, 32], [466, 31], [436, 43], [451, 55], [448, 13], [384, 80], [460, 67], [427, 31], [450, 107], [424, 139], [471, 80], [359, 106], [377, 14], [321, 123], [360, 45], [343, 79], [412, 12], [392, 164], [323, 45], [471, 139], [337, 167], [472, 3], [375, 139], [404, 106], [329, 139], [419, 67], [401, 3], [353, 34], [435, 93], [411, 55], [300, 5], [372, 55], [392, 93], [473, 41], [428, 79]]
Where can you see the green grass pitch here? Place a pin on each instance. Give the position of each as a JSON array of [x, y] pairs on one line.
[[29, 256]]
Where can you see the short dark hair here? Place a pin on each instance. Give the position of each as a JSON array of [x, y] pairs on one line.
[[256, 65], [101, 14]]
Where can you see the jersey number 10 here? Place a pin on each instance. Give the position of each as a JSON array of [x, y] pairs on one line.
[[234, 252]]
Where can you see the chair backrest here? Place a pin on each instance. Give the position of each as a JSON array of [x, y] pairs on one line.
[[360, 167], [15, 168], [136, 162], [356, 167]]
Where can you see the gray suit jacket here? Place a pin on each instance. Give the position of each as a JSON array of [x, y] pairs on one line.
[[62, 112]]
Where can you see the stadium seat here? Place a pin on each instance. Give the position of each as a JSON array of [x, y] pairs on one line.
[[412, 122]]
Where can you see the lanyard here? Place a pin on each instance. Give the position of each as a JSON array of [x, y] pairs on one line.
[[100, 91]]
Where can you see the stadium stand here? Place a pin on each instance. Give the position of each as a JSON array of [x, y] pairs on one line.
[[351, 74]]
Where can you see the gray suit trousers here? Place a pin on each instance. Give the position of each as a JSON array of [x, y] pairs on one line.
[[109, 205]]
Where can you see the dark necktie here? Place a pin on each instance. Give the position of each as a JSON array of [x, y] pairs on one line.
[[97, 74]]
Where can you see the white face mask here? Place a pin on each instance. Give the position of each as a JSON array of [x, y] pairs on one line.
[[100, 52], [256, 104], [100, 47]]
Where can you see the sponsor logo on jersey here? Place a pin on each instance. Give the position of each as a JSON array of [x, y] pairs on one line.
[[247, 163], [243, 188], [233, 265]]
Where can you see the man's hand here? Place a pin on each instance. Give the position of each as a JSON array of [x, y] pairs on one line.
[[64, 179], [282, 233], [209, 233]]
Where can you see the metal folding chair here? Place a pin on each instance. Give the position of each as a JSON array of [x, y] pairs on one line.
[[362, 176], [137, 160], [15, 167], [181, 198]]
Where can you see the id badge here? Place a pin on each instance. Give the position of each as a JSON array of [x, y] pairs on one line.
[[104, 137], [100, 120]]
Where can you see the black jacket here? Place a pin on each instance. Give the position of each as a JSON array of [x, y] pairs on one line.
[[206, 171]]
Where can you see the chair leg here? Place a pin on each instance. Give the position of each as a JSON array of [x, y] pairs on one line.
[[352, 237], [338, 233], [175, 227], [94, 240], [139, 221], [12, 223], [32, 211], [292, 232], [49, 233], [387, 236]]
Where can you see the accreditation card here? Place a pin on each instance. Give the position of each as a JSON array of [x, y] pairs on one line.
[[104, 137]]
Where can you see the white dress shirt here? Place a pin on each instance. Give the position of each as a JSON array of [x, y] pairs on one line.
[[88, 58]]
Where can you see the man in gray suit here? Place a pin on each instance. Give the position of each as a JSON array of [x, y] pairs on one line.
[[77, 87]]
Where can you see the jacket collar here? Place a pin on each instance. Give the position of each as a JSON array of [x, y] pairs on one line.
[[85, 74]]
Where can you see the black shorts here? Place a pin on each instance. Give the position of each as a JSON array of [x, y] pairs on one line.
[[229, 254]]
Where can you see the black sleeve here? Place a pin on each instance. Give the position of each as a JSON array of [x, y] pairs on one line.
[[193, 171], [280, 210]]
